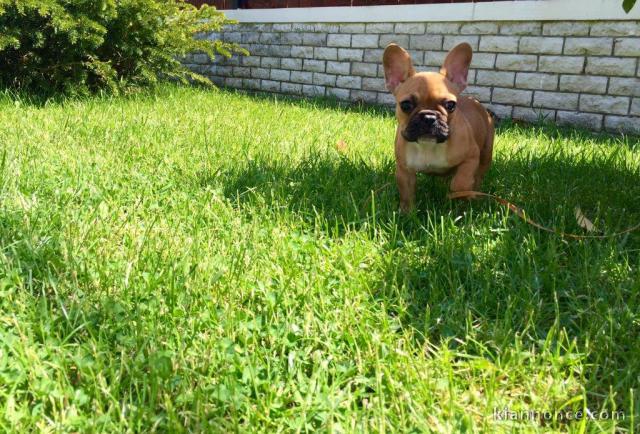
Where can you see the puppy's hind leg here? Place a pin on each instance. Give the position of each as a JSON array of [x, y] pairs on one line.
[[465, 176], [486, 156]]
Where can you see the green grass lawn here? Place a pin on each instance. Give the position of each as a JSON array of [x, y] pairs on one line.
[[197, 260]]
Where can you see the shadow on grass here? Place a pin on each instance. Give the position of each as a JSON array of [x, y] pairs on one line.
[[30, 255], [494, 280], [347, 192]]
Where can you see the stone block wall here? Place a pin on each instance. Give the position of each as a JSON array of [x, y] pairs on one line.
[[583, 73]]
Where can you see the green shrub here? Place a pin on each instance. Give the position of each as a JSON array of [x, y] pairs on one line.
[[80, 46], [627, 5]]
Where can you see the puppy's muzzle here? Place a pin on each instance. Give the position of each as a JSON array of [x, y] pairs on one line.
[[427, 123]]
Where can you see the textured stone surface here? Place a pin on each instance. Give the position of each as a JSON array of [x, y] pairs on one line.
[[533, 115], [588, 46], [410, 28], [313, 90], [520, 28], [233, 82], [627, 47], [402, 40], [615, 28], [541, 45], [452, 41], [270, 62], [325, 53], [434, 58], [260, 72], [555, 100], [250, 61], [499, 44], [373, 55], [293, 88], [298, 27], [622, 124], [339, 40], [482, 94], [444, 28], [270, 85], [352, 28], [586, 120], [369, 83], [251, 83], [502, 111], [301, 77], [611, 66], [314, 39], [511, 96], [483, 60], [387, 99], [282, 27], [565, 28], [581, 73], [314, 65], [339, 93], [364, 69], [635, 107], [291, 38], [517, 62], [568, 64], [324, 79], [326, 28], [364, 41], [350, 54], [480, 28], [624, 86], [425, 42], [364, 96], [379, 28], [305, 52], [583, 83], [291, 64], [536, 80], [241, 71], [349, 82], [280, 74], [495, 78], [618, 105], [342, 68]]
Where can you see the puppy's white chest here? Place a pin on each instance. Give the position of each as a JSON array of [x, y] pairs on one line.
[[427, 156]]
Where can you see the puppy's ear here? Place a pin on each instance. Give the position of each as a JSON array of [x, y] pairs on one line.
[[456, 65], [397, 66]]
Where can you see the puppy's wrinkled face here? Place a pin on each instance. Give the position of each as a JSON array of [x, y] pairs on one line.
[[424, 107], [426, 102]]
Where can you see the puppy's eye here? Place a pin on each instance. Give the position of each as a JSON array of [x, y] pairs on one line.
[[450, 106], [406, 106]]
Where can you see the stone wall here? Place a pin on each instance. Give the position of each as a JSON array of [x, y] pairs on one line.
[[580, 73]]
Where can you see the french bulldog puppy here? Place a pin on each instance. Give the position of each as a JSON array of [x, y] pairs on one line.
[[439, 131]]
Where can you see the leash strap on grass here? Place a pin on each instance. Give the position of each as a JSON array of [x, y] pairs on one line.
[[521, 213]]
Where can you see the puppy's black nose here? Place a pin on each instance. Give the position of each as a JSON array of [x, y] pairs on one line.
[[428, 117]]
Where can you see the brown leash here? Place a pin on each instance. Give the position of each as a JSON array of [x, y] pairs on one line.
[[521, 213]]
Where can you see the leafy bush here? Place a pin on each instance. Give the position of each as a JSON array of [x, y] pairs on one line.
[[80, 46], [627, 5]]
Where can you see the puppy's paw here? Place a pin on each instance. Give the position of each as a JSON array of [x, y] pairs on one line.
[[466, 195], [406, 208]]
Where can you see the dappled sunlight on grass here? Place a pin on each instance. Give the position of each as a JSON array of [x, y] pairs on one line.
[[212, 261]]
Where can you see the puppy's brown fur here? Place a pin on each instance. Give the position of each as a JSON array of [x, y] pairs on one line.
[[439, 131]]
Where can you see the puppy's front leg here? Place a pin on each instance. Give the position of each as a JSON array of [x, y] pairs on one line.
[[465, 176], [406, 180]]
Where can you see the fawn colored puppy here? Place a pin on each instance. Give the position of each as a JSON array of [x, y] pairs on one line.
[[440, 132]]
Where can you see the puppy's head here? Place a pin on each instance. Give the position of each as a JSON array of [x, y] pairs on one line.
[[426, 101]]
